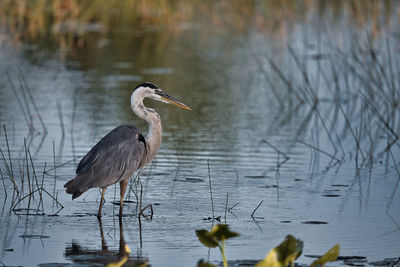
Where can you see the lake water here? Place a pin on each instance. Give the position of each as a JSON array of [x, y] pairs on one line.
[[294, 104]]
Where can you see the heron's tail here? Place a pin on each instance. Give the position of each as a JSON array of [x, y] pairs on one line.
[[76, 187]]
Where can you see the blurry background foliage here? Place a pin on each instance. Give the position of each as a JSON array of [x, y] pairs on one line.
[[77, 24]]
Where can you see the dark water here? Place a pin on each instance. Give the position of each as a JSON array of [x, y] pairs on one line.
[[295, 106]]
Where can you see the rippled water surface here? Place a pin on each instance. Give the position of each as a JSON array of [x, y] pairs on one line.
[[296, 106]]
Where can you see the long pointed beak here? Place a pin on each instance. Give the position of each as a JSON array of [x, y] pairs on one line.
[[173, 101]]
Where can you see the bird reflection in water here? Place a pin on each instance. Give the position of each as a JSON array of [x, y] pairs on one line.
[[104, 256]]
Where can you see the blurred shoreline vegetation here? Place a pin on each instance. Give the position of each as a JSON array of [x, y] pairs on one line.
[[67, 23]]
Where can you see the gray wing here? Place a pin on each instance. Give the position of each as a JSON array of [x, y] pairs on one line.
[[114, 158]]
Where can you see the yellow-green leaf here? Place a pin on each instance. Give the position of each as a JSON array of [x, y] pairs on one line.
[[287, 252], [271, 260], [330, 255], [219, 232], [202, 263], [222, 232], [206, 238]]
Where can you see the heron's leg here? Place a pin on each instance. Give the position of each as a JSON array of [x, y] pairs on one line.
[[122, 244], [103, 241], [123, 185], [101, 202]]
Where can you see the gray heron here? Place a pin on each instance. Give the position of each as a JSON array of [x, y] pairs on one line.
[[123, 150]]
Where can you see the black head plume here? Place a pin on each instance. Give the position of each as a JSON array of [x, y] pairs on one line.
[[148, 84]]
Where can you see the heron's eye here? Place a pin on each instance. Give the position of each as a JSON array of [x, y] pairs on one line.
[[157, 91]]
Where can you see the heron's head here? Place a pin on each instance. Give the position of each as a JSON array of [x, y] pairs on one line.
[[152, 91]]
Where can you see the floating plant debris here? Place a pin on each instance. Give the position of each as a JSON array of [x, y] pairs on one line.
[[314, 222], [256, 176], [34, 236]]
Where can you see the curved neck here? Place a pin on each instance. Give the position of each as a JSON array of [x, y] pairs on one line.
[[154, 135], [153, 139]]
